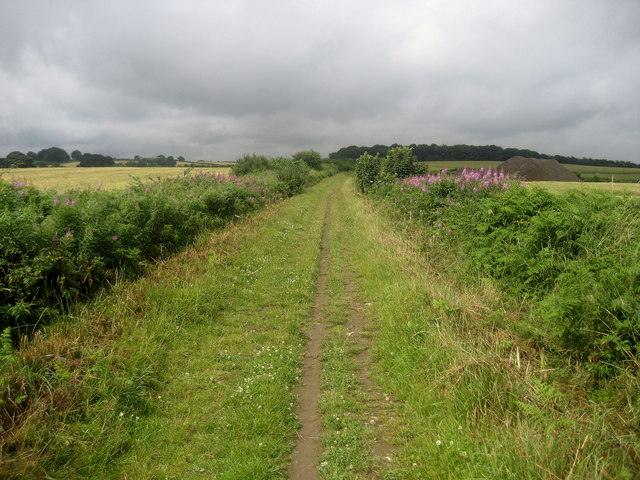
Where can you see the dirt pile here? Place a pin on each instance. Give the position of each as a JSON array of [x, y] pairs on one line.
[[537, 170]]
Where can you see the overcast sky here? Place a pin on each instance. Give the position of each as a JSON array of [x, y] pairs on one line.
[[214, 79]]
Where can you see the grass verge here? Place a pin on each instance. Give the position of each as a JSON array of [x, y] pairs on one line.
[[187, 372], [473, 400]]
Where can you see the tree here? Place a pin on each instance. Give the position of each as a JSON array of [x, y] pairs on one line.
[[18, 159], [76, 155], [53, 155], [95, 160]]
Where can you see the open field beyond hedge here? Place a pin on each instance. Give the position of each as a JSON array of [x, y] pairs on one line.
[[587, 172], [105, 178]]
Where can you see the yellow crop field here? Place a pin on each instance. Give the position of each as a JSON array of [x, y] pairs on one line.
[[109, 178]]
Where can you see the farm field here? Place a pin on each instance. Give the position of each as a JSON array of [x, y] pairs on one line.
[[106, 178], [589, 173], [319, 312], [437, 166], [604, 174], [615, 188]]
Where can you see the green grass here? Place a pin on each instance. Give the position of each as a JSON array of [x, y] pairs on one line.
[[473, 401], [346, 436], [188, 372], [227, 408], [437, 166], [605, 174]]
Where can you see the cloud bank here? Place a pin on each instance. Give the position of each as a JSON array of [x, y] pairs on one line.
[[217, 79]]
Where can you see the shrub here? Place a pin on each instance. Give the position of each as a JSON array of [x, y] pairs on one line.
[[310, 157], [341, 165], [399, 162], [367, 171], [574, 256], [292, 175], [55, 248], [249, 164]]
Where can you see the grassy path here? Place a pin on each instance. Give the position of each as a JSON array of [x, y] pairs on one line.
[[304, 461], [229, 407], [316, 341], [226, 410]]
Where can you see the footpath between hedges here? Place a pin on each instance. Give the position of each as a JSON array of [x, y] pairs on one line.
[[311, 340]]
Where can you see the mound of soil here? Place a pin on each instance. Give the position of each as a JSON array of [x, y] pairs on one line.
[[537, 170]]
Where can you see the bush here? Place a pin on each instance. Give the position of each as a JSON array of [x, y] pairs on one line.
[[310, 157], [341, 165], [292, 175], [249, 164], [55, 249], [399, 162], [575, 256], [367, 171]]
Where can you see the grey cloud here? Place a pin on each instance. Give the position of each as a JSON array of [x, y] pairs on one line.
[[218, 79]]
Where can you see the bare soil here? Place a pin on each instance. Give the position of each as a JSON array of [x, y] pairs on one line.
[[537, 169]]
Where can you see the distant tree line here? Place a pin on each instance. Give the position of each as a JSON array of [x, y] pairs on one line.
[[488, 153], [159, 161], [44, 158], [56, 156], [95, 160]]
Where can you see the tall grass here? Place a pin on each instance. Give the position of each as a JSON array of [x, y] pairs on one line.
[[574, 256], [473, 399]]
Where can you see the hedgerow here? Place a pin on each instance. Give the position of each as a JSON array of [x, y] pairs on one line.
[[58, 248], [574, 257]]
